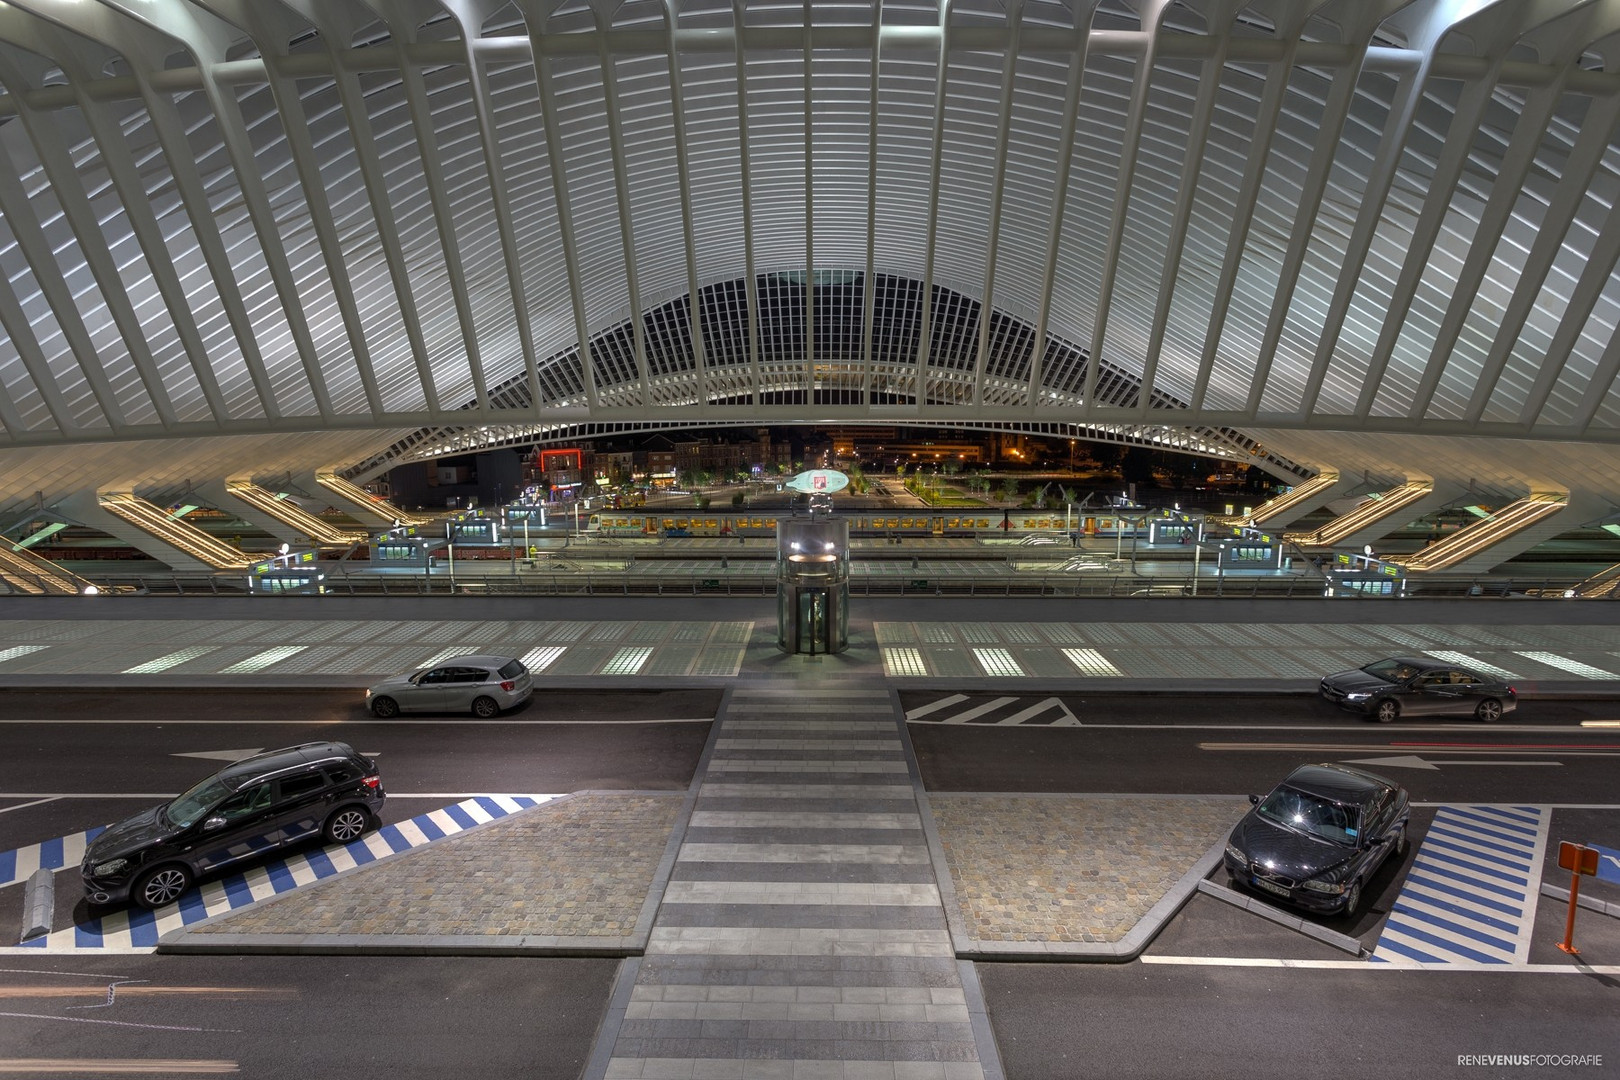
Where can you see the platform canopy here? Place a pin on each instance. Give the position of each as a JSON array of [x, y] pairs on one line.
[[265, 236]]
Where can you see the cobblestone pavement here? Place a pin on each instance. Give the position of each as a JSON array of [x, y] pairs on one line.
[[1070, 868], [579, 867]]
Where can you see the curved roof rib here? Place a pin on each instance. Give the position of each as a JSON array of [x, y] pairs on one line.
[[247, 236]]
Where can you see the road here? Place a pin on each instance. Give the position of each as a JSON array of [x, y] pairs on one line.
[[1184, 1010]]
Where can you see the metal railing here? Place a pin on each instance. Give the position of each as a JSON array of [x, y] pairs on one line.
[[722, 583]]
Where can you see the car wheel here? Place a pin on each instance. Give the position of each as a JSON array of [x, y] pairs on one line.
[[1352, 899], [485, 707], [1401, 844], [1489, 710], [345, 825], [1386, 710], [162, 886], [384, 707]]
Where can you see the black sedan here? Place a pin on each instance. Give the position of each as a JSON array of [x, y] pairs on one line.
[[1419, 686], [1316, 839]]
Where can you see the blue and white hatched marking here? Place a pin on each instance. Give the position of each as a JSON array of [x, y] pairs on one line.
[[19, 864], [1470, 897], [135, 929]]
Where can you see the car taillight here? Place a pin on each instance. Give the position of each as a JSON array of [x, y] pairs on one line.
[[509, 685], [372, 781]]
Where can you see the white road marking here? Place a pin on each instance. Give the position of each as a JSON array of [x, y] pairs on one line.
[[935, 706], [26, 805], [1362, 965], [223, 755]]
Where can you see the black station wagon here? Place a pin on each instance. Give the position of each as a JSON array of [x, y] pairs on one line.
[[244, 811]]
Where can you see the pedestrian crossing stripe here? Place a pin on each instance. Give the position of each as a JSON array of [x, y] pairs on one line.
[[1470, 896], [998, 712], [137, 928]]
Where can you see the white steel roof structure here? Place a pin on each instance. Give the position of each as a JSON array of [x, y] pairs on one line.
[[260, 236]]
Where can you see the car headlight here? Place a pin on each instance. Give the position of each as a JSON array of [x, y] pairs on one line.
[[1358, 695], [107, 869], [1236, 854], [1324, 886]]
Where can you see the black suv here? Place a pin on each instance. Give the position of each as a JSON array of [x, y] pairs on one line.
[[243, 811]]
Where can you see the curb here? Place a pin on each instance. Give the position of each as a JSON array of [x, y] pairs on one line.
[[1342, 942], [1122, 951], [188, 940], [1590, 903]]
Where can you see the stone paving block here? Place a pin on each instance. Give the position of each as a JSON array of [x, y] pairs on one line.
[[1059, 869], [575, 868]]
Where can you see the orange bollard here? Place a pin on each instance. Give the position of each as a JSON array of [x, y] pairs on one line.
[[1578, 859]]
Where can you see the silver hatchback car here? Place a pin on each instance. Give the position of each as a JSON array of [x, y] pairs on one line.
[[484, 685]]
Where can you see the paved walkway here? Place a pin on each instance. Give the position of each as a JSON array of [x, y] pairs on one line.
[[802, 933]]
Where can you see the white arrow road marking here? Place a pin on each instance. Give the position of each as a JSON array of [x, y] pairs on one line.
[[238, 755], [1412, 761], [223, 755], [1342, 748]]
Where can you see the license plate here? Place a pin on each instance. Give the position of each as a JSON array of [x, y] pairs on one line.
[[1271, 887]]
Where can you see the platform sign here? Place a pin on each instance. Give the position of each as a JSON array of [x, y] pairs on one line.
[[1575, 857], [1608, 866]]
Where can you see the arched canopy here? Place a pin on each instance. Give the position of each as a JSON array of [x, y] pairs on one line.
[[266, 235]]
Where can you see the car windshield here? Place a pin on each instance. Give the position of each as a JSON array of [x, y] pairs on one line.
[[512, 669], [1391, 670], [196, 802], [1311, 814]]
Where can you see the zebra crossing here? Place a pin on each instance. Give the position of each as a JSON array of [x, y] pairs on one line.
[[137, 929], [1470, 896], [998, 712]]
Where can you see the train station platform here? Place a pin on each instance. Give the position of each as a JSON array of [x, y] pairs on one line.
[[1187, 644]]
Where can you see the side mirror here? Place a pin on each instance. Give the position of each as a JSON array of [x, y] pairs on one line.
[[213, 823], [1254, 800]]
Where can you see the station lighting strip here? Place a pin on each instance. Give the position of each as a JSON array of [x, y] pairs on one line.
[[998, 662], [263, 660], [1564, 663], [1091, 662], [1464, 660], [904, 661], [628, 661], [164, 663], [20, 650], [537, 660]]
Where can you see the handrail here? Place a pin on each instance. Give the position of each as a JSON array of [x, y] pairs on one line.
[[1053, 585], [359, 497], [31, 574], [1486, 532], [187, 538], [1294, 496], [290, 513], [1375, 508]]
